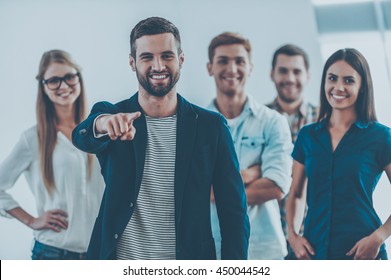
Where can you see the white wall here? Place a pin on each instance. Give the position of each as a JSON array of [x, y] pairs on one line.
[[96, 33]]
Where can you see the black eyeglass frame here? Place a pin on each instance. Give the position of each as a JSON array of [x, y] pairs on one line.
[[61, 79]]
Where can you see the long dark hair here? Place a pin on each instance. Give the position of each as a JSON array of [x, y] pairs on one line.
[[364, 105]]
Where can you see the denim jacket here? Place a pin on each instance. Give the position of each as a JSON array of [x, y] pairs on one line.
[[262, 136]]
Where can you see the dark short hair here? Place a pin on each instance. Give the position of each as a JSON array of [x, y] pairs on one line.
[[153, 26], [228, 38], [364, 105], [291, 50]]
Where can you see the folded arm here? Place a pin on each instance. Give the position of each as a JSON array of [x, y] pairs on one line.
[[276, 165]]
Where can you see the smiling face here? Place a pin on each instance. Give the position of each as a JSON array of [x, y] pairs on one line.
[[289, 76], [157, 63], [230, 68], [65, 95], [342, 86]]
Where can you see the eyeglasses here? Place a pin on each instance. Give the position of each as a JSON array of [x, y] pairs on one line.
[[54, 83]]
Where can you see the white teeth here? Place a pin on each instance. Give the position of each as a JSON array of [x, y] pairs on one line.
[[65, 94], [231, 78], [339, 97], [158, 77]]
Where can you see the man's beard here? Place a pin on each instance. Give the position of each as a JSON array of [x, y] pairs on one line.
[[285, 99], [288, 99], [158, 91]]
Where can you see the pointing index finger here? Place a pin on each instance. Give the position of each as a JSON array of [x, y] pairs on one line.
[[130, 117]]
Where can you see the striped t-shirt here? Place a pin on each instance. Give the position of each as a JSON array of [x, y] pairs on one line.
[[150, 233]]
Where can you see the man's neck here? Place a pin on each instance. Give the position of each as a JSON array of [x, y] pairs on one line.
[[230, 106], [290, 108], [158, 107]]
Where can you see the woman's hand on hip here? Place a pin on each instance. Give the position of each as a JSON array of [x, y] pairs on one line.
[[55, 220]]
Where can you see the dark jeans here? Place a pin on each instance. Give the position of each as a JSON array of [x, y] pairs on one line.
[[46, 252]]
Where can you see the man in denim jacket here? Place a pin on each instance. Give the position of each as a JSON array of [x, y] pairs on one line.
[[262, 142]]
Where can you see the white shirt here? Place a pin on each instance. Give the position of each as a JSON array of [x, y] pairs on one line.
[[74, 193]]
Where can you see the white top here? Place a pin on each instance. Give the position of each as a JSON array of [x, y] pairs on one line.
[[74, 193]]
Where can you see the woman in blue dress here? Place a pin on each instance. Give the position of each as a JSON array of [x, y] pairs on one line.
[[338, 162]]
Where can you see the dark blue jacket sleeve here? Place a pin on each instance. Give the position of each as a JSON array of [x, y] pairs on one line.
[[230, 199], [83, 135]]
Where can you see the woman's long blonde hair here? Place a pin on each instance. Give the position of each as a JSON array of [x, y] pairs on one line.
[[47, 118]]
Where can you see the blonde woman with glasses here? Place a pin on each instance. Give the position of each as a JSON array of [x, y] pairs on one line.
[[66, 182]]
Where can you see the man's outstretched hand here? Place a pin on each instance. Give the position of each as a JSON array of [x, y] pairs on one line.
[[117, 126]]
